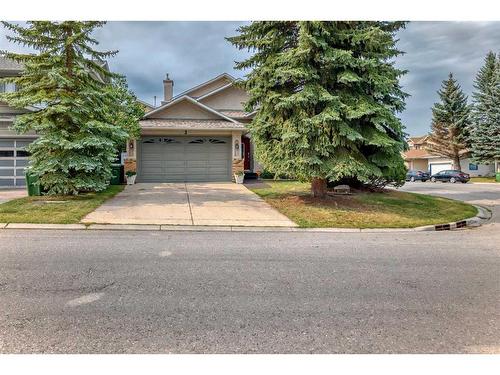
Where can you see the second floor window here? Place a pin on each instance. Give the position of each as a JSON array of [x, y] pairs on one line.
[[7, 87]]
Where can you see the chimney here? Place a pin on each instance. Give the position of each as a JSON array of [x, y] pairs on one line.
[[168, 89]]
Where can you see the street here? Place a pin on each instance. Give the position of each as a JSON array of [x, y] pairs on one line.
[[222, 292]]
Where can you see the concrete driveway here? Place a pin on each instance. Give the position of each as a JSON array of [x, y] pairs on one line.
[[220, 204], [10, 194]]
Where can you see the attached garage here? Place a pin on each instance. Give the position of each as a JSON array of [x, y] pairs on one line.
[[438, 167], [13, 160], [184, 159]]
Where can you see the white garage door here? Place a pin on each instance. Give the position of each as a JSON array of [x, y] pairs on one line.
[[13, 160], [184, 159], [438, 167]]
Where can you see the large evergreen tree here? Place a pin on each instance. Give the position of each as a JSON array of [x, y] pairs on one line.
[[450, 122], [85, 112], [326, 95], [485, 127]]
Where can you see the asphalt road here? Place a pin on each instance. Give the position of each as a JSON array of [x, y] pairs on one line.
[[487, 195], [223, 292]]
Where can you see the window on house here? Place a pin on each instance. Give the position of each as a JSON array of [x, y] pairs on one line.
[[473, 167], [7, 87], [197, 141]]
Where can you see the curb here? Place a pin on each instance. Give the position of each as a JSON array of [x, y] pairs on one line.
[[483, 215]]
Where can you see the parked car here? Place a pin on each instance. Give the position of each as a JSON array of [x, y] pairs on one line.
[[417, 176], [450, 176]]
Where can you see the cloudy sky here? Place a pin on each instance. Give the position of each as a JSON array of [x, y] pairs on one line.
[[193, 52]]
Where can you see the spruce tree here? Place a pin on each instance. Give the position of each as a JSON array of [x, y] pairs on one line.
[[85, 112], [450, 122], [485, 127], [327, 95]]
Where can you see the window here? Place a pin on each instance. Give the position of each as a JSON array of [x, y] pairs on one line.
[[473, 167], [6, 153], [216, 141], [7, 87], [22, 153], [197, 141], [170, 140]]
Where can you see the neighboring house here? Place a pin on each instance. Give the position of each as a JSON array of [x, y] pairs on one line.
[[197, 135], [13, 157], [418, 158]]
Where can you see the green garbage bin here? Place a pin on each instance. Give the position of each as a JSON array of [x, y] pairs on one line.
[[498, 177], [116, 174], [32, 184]]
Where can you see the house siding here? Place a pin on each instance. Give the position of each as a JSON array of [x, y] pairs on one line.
[[230, 98]]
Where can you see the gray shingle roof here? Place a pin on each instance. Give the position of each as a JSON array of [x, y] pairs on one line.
[[191, 124], [233, 113], [10, 65]]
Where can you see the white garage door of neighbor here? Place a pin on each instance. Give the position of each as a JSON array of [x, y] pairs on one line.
[[13, 160], [184, 159], [438, 167]]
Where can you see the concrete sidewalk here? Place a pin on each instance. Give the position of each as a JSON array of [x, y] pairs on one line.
[[201, 204]]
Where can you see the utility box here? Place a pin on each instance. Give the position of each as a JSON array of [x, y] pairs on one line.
[[32, 184]]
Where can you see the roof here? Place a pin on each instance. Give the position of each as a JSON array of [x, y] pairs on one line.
[[223, 75], [10, 65], [146, 104], [419, 139], [417, 154], [234, 113], [191, 124], [194, 101]]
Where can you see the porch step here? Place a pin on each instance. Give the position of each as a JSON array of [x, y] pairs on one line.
[[251, 176]]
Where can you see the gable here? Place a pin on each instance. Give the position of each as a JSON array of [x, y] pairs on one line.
[[231, 97], [184, 110], [209, 87]]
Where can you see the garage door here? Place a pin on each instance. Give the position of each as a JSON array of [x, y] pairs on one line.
[[13, 160], [184, 159], [438, 167]]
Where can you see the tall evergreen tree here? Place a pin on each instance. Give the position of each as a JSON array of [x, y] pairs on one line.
[[326, 95], [450, 122], [85, 112], [485, 127]]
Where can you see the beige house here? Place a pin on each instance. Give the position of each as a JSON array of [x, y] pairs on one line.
[[418, 158], [197, 135]]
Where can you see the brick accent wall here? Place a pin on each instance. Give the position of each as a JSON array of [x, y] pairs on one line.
[[129, 165], [238, 165]]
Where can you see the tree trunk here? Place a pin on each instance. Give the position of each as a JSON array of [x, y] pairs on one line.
[[318, 187], [456, 163]]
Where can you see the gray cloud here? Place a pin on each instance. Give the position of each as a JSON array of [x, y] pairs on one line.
[[193, 52]]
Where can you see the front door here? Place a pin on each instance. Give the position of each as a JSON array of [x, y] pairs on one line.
[[246, 152]]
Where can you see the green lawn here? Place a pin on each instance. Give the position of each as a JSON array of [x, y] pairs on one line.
[[54, 209], [389, 209], [482, 179]]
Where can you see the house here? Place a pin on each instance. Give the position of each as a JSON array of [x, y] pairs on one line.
[[418, 158], [13, 156], [197, 135]]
